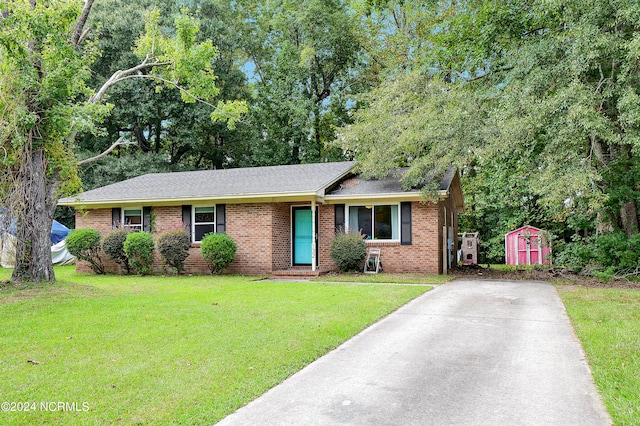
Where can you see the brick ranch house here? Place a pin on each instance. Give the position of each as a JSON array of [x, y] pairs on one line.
[[283, 218]]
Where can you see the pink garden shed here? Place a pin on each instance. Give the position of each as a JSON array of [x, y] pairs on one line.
[[527, 246]]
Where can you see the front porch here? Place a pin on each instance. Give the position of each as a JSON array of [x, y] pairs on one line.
[[300, 272], [295, 241]]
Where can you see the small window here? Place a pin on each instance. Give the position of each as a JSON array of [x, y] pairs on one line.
[[203, 222], [132, 219], [375, 222]]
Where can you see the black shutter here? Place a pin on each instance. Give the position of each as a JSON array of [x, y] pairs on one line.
[[405, 224], [186, 218], [115, 217], [221, 214], [339, 217], [146, 219]]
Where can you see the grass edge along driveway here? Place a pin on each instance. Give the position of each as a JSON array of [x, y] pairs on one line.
[[162, 350], [607, 321]]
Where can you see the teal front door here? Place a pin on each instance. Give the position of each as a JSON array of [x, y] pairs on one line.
[[302, 235]]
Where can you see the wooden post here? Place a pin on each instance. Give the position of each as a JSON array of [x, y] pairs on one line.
[[539, 250]]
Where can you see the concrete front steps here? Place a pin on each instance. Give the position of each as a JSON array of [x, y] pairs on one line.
[[300, 272]]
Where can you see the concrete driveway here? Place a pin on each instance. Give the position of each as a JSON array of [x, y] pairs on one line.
[[465, 353]]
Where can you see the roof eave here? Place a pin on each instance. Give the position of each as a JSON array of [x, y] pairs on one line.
[[391, 196], [239, 198], [456, 183], [323, 189]]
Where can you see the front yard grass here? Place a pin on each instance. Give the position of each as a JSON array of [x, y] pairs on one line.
[[607, 322], [385, 277], [168, 350]]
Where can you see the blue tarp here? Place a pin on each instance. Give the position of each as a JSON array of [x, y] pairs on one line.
[[58, 231]]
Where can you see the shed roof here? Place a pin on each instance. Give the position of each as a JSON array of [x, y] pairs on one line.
[[524, 228]]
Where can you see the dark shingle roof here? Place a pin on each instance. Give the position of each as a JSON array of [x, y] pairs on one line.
[[254, 181], [389, 185]]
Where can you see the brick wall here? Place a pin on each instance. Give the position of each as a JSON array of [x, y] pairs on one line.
[[326, 232], [281, 236], [262, 232], [250, 225], [423, 255], [99, 219]]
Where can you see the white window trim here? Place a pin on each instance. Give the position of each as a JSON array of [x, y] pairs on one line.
[[123, 223], [193, 220], [373, 205]]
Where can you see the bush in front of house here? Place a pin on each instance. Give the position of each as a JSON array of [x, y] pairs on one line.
[[138, 246], [174, 248], [113, 246], [348, 251], [218, 250], [85, 245]]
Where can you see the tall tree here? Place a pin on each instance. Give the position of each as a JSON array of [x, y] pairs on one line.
[[45, 59], [161, 123], [301, 55], [547, 90]]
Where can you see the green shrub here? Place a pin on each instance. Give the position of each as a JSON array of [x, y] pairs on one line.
[[85, 245], [174, 248], [603, 255], [348, 251], [218, 250], [113, 246], [138, 246], [617, 251], [575, 255]]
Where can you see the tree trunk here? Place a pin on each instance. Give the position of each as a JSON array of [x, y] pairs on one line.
[[628, 211], [33, 206], [158, 133], [629, 217], [143, 142], [295, 152]]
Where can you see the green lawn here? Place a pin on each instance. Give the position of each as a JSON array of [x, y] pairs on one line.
[[607, 322], [168, 350], [387, 278]]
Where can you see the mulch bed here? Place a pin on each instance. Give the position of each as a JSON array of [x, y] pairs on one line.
[[540, 274]]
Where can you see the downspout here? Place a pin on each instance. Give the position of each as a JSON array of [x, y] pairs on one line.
[[444, 243]]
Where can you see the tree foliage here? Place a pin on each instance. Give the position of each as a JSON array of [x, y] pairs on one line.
[[302, 55], [45, 99], [537, 102]]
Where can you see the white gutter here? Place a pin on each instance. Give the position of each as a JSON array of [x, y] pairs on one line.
[[189, 200], [408, 196]]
